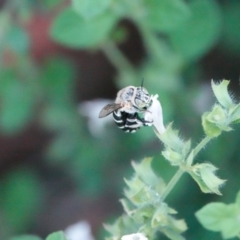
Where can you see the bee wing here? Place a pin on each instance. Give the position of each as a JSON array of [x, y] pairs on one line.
[[109, 109]]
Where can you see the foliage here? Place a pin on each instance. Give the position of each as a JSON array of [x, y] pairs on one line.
[[53, 236], [176, 36], [144, 204], [221, 217]]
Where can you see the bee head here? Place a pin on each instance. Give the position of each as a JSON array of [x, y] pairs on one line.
[[142, 98]]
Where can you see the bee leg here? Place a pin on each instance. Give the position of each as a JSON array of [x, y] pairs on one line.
[[144, 122]]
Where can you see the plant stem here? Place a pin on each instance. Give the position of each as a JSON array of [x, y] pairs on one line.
[[116, 57], [180, 171], [154, 46], [201, 145], [172, 183]]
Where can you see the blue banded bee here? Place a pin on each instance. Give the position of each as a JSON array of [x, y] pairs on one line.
[[131, 102]]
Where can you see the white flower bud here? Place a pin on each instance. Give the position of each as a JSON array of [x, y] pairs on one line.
[[134, 236], [154, 113]]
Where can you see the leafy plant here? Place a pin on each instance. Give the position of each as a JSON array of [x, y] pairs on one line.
[[175, 35], [145, 206], [220, 217]]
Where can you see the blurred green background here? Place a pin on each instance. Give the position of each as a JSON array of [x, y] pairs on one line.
[[59, 163]]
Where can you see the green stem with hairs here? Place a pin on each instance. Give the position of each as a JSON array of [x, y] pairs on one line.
[[180, 171], [172, 183], [116, 57], [201, 145]]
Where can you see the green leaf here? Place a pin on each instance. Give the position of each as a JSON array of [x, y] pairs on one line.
[[146, 174], [210, 128], [123, 225], [57, 81], [174, 228], [20, 198], [221, 92], [18, 40], [220, 217], [70, 29], [204, 175], [127, 206], [216, 121], [173, 157], [17, 101], [190, 158], [142, 213], [135, 184], [165, 15], [64, 146], [90, 8], [49, 4], [171, 139], [26, 237], [199, 33], [172, 234], [234, 113], [160, 217], [56, 236], [137, 191]]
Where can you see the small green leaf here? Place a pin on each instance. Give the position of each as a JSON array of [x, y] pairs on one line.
[[160, 217], [56, 236], [165, 15], [90, 8], [17, 101], [186, 147], [234, 113], [220, 217], [145, 172], [221, 92], [57, 81], [138, 197], [122, 226], [204, 175], [127, 206], [171, 234], [197, 35], [63, 147], [142, 213], [26, 237], [51, 4], [173, 157], [216, 121], [171, 139], [20, 198], [18, 39], [70, 29], [210, 128]]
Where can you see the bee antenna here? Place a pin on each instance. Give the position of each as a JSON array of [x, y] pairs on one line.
[[142, 83]]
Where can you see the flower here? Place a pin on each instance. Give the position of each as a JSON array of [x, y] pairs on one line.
[[90, 110], [134, 236], [154, 113], [79, 231]]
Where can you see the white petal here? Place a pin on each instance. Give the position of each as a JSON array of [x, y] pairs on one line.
[[134, 236], [79, 231], [154, 114]]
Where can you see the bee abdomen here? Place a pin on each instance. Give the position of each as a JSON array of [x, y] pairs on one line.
[[126, 121]]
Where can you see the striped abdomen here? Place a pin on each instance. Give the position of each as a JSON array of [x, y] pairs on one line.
[[129, 122]]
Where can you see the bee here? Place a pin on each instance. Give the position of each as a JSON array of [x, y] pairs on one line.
[[130, 104]]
